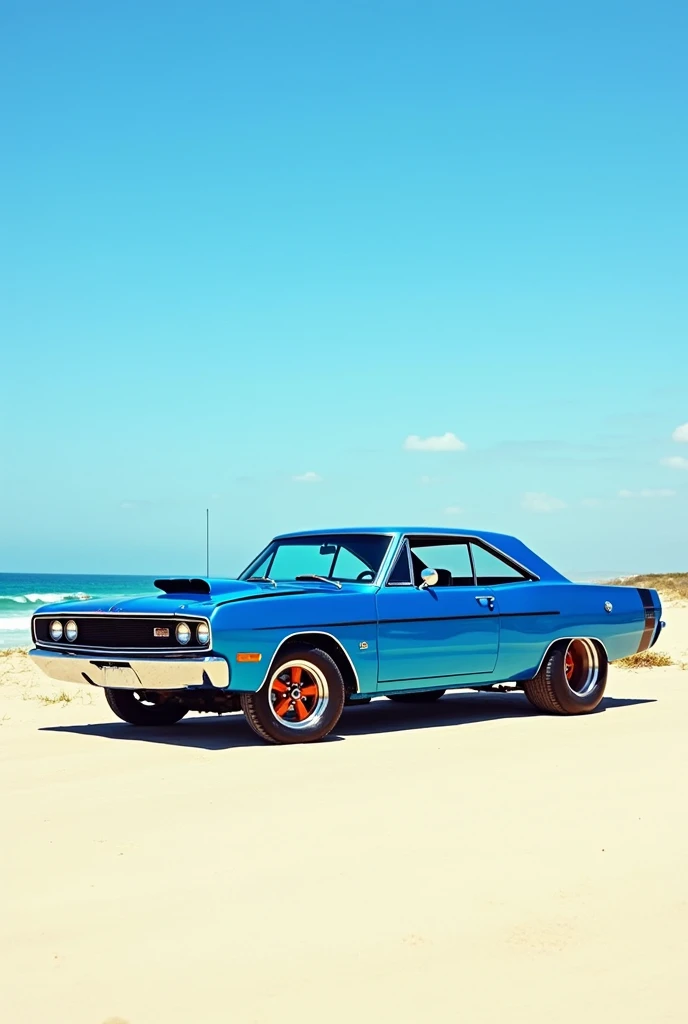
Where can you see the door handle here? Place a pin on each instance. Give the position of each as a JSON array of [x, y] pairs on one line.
[[487, 601]]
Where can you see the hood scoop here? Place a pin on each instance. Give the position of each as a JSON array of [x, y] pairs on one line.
[[204, 588], [209, 589], [183, 586]]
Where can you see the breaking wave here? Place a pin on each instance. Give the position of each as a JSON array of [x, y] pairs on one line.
[[15, 623], [36, 599]]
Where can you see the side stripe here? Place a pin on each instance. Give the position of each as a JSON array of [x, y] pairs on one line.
[[650, 619], [421, 618]]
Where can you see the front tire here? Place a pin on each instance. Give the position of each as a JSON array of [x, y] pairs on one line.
[[145, 707], [300, 702], [571, 680], [417, 698]]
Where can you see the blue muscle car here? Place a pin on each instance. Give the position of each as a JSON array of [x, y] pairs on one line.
[[323, 619]]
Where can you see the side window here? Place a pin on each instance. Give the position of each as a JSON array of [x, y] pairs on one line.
[[450, 558], [491, 570], [400, 575]]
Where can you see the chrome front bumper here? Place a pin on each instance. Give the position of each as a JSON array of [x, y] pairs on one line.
[[135, 673]]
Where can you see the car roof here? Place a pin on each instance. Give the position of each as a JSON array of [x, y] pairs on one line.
[[504, 542], [386, 530]]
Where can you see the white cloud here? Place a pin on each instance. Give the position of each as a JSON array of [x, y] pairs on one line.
[[453, 510], [538, 501], [307, 478], [675, 462], [441, 443], [648, 492], [681, 433]]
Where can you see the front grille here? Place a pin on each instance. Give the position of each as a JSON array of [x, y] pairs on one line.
[[118, 633]]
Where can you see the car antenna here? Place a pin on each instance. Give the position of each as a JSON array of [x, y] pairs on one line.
[[207, 543]]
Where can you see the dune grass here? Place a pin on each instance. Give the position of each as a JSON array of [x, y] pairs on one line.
[[8, 652], [55, 698], [671, 585], [646, 659]]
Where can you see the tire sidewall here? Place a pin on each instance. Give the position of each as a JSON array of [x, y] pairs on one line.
[[280, 733], [574, 703]]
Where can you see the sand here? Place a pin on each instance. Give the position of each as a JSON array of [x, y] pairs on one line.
[[471, 861]]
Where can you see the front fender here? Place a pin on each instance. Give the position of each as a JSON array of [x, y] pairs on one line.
[[244, 630]]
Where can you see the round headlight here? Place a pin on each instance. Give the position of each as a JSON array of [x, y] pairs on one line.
[[71, 630], [56, 630], [203, 632], [183, 633]]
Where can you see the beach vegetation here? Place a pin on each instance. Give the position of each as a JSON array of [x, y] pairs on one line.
[[56, 698], [646, 659], [672, 586]]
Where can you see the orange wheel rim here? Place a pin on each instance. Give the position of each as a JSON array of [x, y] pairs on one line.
[[298, 694], [569, 665]]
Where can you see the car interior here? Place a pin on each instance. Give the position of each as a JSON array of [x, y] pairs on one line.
[[473, 564]]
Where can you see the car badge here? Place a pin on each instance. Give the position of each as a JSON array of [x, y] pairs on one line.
[[161, 631], [608, 606], [363, 646]]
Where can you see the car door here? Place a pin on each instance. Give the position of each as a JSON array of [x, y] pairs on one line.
[[451, 629]]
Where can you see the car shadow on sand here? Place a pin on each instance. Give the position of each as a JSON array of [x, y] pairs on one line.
[[380, 716]]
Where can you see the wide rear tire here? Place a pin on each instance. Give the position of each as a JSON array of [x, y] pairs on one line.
[[146, 708], [571, 680], [300, 702]]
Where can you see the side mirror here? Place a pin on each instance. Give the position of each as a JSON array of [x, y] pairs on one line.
[[429, 577]]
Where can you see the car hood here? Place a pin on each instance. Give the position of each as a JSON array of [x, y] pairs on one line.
[[199, 597]]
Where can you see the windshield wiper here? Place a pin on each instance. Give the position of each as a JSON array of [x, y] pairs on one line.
[[262, 579], [323, 579]]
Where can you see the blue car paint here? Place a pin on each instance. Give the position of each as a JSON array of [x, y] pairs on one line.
[[403, 638], [435, 632]]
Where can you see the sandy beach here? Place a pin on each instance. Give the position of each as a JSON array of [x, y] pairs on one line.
[[471, 860]]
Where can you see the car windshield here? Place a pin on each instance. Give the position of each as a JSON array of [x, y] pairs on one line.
[[347, 558]]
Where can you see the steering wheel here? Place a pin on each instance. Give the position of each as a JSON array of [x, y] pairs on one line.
[[366, 572]]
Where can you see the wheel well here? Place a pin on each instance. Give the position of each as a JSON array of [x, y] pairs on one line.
[[330, 646], [562, 643]]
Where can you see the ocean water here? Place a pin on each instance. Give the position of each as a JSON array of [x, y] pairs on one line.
[[22, 594]]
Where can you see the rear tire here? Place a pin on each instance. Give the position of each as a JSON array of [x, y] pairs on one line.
[[145, 708], [417, 698], [571, 680], [300, 702]]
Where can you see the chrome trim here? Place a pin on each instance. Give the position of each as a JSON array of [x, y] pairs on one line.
[[162, 652], [323, 579], [143, 674], [389, 559], [410, 583], [471, 539], [166, 652], [568, 640], [593, 666], [312, 632]]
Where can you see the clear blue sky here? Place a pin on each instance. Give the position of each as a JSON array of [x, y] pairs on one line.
[[244, 242]]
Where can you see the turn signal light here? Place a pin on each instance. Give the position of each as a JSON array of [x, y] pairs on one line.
[[249, 656]]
